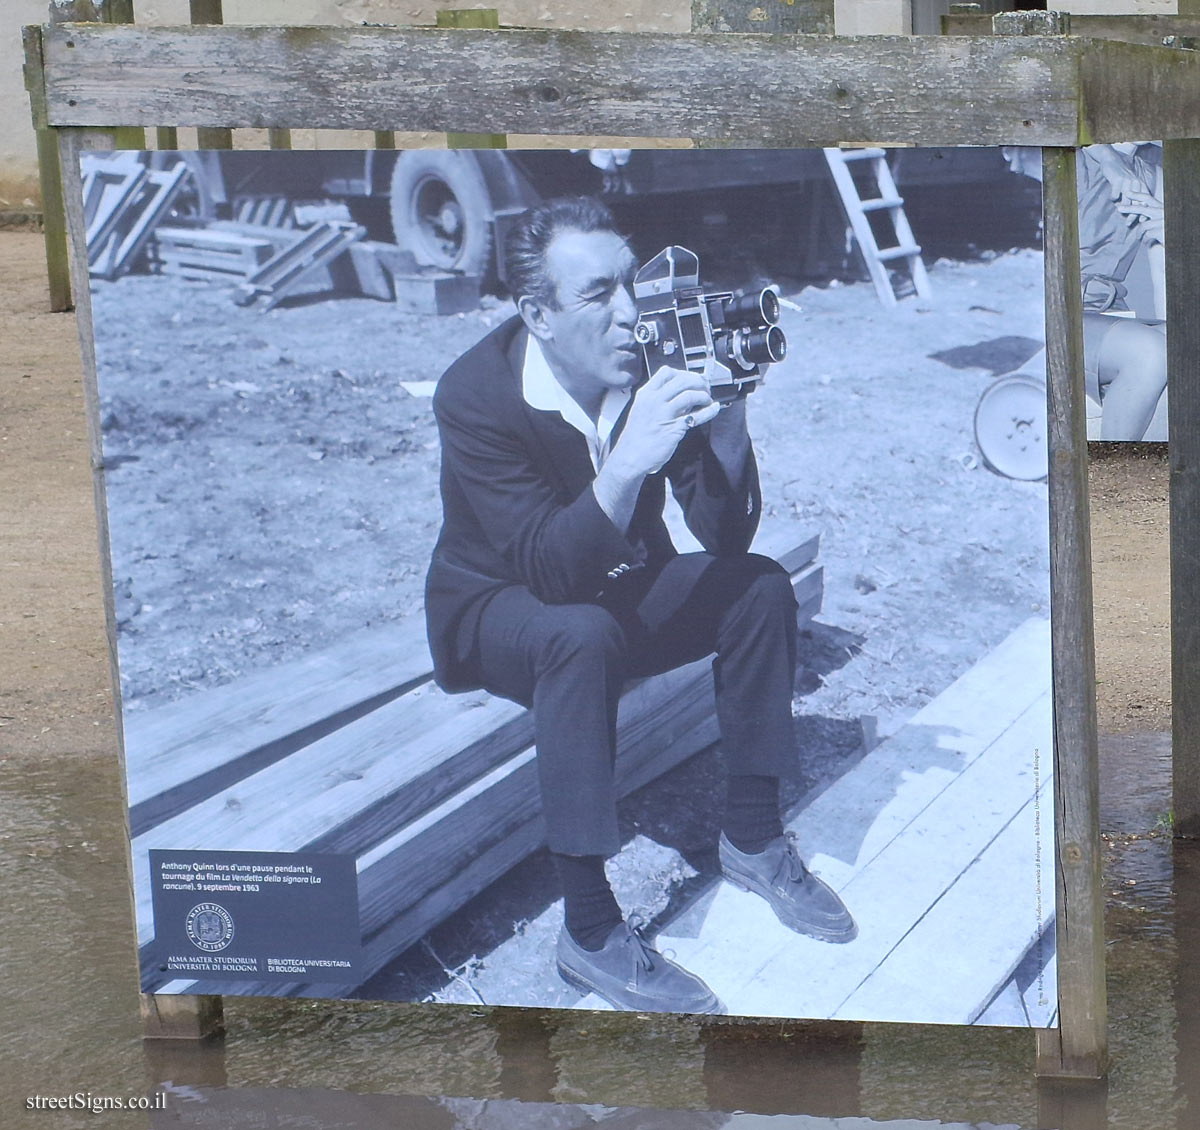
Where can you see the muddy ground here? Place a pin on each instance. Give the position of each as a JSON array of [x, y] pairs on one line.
[[278, 484]]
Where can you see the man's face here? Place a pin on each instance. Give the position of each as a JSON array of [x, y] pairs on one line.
[[589, 335]]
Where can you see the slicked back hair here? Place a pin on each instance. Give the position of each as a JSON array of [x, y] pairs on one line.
[[530, 237]]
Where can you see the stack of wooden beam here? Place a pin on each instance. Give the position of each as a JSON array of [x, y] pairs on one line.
[[209, 253], [354, 750]]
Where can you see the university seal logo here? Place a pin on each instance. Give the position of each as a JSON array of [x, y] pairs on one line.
[[209, 927]]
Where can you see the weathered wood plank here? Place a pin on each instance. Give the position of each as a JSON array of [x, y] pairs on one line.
[[54, 224], [925, 90], [1131, 92], [922, 90], [1181, 172], [184, 751], [1080, 897]]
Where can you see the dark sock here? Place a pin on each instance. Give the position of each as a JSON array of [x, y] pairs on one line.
[[752, 817], [589, 904]]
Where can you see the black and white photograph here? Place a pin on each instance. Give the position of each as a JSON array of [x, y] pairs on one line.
[[598, 578], [1122, 263]]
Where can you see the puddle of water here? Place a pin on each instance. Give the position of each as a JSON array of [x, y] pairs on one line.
[[69, 1023], [69, 1017]]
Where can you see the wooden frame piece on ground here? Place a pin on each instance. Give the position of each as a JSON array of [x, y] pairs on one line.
[[1057, 92]]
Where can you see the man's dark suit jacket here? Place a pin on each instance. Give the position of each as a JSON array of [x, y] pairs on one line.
[[518, 508]]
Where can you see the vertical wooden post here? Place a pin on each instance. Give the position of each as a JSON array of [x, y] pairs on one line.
[[202, 12], [183, 1015], [54, 225], [1079, 1046], [181, 1018], [480, 18], [50, 173], [1181, 198]]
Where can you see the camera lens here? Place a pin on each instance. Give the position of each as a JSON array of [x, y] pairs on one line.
[[760, 347], [753, 309]]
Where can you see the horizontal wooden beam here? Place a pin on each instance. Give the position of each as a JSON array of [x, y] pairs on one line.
[[774, 90]]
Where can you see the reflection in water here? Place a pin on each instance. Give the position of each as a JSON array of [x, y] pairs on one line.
[[332, 1110], [1072, 1105], [814, 1069], [528, 1068], [1187, 982], [331, 1064]]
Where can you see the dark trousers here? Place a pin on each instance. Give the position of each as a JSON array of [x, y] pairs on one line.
[[568, 663]]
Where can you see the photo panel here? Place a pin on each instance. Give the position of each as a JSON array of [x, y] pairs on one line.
[[338, 449], [1123, 280]]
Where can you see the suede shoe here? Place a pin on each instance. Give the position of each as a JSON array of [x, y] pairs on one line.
[[630, 973], [801, 901]]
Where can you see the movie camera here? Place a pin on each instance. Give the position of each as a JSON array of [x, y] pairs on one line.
[[729, 340]]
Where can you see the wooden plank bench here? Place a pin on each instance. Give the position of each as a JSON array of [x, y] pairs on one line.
[[355, 751]]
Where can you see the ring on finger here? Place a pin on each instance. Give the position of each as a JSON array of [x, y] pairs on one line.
[[689, 420]]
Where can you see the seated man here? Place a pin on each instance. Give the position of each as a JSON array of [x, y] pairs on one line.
[[554, 580]]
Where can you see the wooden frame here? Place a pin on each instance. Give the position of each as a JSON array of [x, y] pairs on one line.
[[1053, 91], [968, 90]]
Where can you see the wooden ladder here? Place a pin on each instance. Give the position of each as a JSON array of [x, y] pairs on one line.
[[889, 200]]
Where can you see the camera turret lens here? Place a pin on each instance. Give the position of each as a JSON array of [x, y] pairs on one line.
[[753, 309], [759, 347]]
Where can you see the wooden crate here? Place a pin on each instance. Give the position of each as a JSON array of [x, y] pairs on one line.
[[208, 253]]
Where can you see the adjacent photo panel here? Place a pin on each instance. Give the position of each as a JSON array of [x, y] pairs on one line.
[[584, 579], [1123, 280]]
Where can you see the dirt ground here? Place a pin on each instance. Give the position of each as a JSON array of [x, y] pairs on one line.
[[322, 419]]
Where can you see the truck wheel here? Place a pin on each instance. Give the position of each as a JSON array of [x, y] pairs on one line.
[[442, 211]]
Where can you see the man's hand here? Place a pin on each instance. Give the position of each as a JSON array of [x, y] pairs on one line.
[[664, 408]]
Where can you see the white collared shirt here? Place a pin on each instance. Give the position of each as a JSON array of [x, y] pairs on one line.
[[541, 390]]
